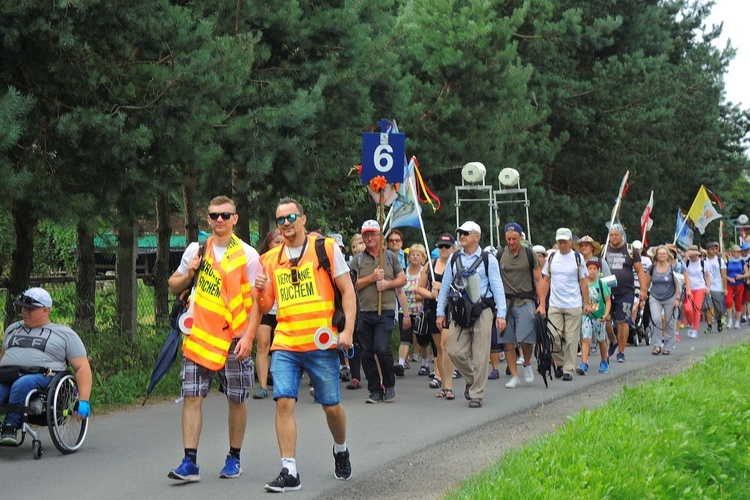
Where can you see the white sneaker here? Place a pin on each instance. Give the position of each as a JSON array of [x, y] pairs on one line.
[[737, 324], [528, 374], [729, 325], [692, 334], [520, 360], [513, 383]]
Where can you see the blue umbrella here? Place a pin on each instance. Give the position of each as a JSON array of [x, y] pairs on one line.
[[166, 357]]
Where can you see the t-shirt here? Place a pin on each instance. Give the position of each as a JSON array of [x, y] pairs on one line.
[[515, 273], [48, 346], [598, 291], [695, 275], [713, 268], [565, 276], [662, 284], [622, 264], [252, 269], [368, 296]]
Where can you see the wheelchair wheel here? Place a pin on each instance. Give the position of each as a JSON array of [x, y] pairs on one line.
[[66, 431]]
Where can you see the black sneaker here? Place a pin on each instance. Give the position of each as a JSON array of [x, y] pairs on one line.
[[285, 482], [9, 436], [719, 327], [611, 349], [375, 397], [390, 395], [343, 467], [567, 377], [398, 370], [558, 372]]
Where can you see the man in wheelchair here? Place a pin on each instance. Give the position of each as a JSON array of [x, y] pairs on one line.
[[34, 349]]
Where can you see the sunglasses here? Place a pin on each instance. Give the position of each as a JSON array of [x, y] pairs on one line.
[[394, 240], [28, 301], [223, 215], [463, 233], [444, 247], [291, 218]]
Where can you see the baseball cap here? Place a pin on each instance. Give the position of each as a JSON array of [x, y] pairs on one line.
[[470, 227], [338, 239], [34, 298], [563, 234], [539, 249], [445, 239], [712, 244], [370, 226], [638, 245]]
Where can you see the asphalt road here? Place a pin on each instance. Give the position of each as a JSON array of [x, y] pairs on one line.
[[417, 447]]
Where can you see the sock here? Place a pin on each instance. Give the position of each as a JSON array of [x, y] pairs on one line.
[[235, 452], [290, 464], [425, 363], [401, 361], [192, 454], [338, 448]]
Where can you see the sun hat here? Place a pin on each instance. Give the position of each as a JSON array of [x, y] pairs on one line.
[[591, 241]]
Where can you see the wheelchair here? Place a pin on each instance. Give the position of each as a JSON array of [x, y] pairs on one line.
[[53, 407]]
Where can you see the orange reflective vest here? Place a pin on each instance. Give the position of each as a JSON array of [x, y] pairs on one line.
[[304, 305], [222, 306]]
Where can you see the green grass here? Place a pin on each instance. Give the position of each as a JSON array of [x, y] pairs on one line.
[[686, 436]]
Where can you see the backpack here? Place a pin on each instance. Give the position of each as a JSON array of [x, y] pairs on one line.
[[339, 318], [464, 311], [552, 255]]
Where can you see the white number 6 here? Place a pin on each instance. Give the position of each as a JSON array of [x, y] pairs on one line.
[[382, 158]]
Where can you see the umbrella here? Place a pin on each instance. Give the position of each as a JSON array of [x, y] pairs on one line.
[[543, 348], [166, 358]]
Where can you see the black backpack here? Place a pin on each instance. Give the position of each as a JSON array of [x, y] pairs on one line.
[[339, 318]]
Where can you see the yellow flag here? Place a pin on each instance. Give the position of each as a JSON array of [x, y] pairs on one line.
[[702, 210]]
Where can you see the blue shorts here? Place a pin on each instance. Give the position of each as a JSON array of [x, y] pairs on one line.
[[321, 366], [622, 306]]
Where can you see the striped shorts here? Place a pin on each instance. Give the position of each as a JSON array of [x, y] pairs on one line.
[[235, 379]]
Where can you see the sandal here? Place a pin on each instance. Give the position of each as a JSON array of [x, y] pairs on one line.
[[475, 403], [436, 383], [449, 394], [657, 351], [466, 392], [665, 352]]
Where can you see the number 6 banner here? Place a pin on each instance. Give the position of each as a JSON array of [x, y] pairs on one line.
[[383, 154]]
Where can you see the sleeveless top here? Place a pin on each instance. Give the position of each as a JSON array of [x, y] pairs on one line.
[[410, 290]]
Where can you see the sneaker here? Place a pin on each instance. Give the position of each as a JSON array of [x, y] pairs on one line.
[[693, 334], [729, 325], [559, 372], [231, 468], [603, 367], [187, 471], [611, 350], [736, 324], [344, 374], [312, 391], [261, 393], [520, 360], [375, 397], [743, 321], [513, 383], [416, 357], [720, 327], [390, 395], [9, 436], [398, 370], [620, 357], [354, 384], [494, 375], [709, 330], [582, 369], [285, 482], [456, 374], [528, 374], [507, 370], [343, 467], [567, 377], [423, 371]]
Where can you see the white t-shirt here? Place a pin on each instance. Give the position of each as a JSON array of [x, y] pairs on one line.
[[713, 269], [695, 275], [565, 284]]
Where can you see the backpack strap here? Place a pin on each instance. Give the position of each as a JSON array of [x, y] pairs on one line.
[[323, 261]]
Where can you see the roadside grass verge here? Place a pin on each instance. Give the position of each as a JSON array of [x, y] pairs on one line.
[[683, 436]]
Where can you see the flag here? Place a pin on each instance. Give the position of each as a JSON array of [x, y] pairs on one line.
[[683, 234], [405, 210], [702, 210], [721, 204], [646, 221]]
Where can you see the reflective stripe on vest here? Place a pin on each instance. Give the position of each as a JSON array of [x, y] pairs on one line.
[[222, 299], [304, 307]]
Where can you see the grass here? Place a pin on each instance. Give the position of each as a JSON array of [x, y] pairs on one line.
[[686, 436]]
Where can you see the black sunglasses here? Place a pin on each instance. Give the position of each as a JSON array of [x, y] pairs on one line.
[[28, 301], [463, 233], [223, 215], [443, 246], [291, 218]]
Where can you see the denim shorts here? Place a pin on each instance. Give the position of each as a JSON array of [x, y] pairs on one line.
[[321, 366]]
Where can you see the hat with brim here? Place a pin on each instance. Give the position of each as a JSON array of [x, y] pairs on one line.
[[693, 250], [539, 249], [34, 298], [591, 241]]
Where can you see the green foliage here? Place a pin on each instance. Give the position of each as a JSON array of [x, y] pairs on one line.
[[681, 436]]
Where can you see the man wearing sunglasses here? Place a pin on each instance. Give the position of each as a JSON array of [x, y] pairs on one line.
[[36, 344], [305, 338], [223, 312]]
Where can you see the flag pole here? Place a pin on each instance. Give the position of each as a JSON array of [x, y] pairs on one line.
[[616, 210], [679, 231]]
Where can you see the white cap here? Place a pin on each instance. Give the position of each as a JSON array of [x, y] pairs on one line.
[[34, 297], [563, 234], [470, 227], [638, 245], [370, 226], [539, 249]]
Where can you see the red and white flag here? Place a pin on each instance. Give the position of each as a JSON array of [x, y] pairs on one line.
[[646, 221]]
